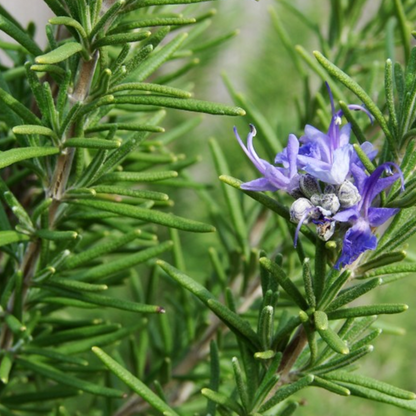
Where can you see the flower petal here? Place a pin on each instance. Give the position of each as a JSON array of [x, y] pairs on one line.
[[378, 216], [357, 240], [344, 135], [277, 177], [249, 151], [321, 140], [341, 164], [261, 184], [335, 173], [347, 214], [292, 154], [374, 184]]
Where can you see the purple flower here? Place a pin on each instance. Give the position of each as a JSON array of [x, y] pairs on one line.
[[274, 178], [329, 183], [359, 238]]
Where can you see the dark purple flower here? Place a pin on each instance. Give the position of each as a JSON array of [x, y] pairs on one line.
[[274, 178], [360, 238]]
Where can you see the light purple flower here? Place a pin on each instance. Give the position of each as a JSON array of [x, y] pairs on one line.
[[328, 157], [274, 178]]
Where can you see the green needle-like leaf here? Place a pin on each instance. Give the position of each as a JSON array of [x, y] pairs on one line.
[[19, 36], [371, 383], [404, 28], [134, 383], [54, 355], [328, 334], [126, 262], [214, 374], [146, 3], [234, 321], [338, 94], [223, 400], [125, 210], [100, 249], [231, 197], [353, 293], [330, 386], [69, 21], [5, 367], [240, 382], [396, 268], [106, 301], [369, 310], [136, 193], [155, 88], [332, 289], [125, 126], [34, 129], [11, 156], [389, 91], [92, 143], [360, 93], [286, 391], [180, 104], [308, 283], [159, 57], [75, 285], [56, 235], [10, 237], [364, 158], [51, 393], [283, 280], [138, 176], [380, 397], [67, 379], [83, 345], [344, 361], [53, 69], [121, 39], [265, 327], [148, 21], [107, 17], [17, 107], [60, 54]]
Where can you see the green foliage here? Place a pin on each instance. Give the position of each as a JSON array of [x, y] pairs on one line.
[[94, 254]]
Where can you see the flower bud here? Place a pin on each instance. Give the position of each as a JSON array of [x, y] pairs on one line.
[[329, 202], [309, 185], [299, 209], [348, 194], [330, 189]]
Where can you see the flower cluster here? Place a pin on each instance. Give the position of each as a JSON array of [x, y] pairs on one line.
[[329, 183]]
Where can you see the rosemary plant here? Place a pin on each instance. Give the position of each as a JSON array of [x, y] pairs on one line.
[[101, 293]]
